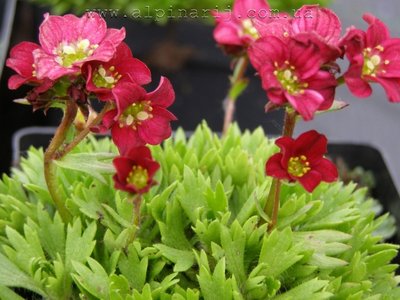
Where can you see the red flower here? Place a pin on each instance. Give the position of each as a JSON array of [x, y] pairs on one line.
[[237, 29], [302, 160], [140, 118], [310, 23], [68, 42], [103, 77], [321, 26], [291, 72], [374, 57], [21, 61], [135, 171]]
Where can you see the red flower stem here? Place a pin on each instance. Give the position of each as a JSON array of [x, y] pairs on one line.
[[50, 171], [277, 191], [230, 99], [274, 193], [289, 123], [84, 132], [137, 202]]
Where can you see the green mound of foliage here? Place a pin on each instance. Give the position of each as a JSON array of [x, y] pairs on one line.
[[162, 11], [202, 234]]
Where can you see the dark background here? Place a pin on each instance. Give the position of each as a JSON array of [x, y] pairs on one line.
[[183, 51]]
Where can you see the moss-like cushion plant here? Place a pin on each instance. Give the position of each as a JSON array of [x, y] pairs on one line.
[[202, 234]]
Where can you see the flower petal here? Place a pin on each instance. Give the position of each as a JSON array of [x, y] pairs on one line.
[[91, 26], [391, 86], [311, 144], [327, 169], [163, 95], [322, 21], [266, 51], [355, 83], [21, 58], [305, 57], [310, 180], [377, 31], [306, 104], [51, 32], [227, 34], [123, 166], [249, 9], [47, 67], [127, 93], [274, 167], [109, 118], [155, 130], [125, 138]]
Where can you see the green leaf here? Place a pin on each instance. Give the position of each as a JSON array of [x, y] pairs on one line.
[[217, 200], [183, 259], [51, 233], [78, 245], [94, 279], [238, 88], [192, 194], [91, 163], [380, 259], [119, 287], [133, 267], [6, 293], [308, 290], [279, 253], [25, 248], [214, 286], [233, 242], [12, 276]]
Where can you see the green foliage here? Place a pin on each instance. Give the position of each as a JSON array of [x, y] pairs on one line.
[[163, 11], [202, 234]]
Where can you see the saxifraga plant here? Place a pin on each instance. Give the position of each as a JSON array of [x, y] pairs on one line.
[[202, 234]]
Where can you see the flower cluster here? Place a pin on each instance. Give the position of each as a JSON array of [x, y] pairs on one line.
[[88, 59], [295, 56]]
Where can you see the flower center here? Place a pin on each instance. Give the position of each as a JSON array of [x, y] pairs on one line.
[[34, 70], [135, 114], [68, 54], [373, 61], [103, 78], [298, 166], [138, 177], [249, 29], [288, 79]]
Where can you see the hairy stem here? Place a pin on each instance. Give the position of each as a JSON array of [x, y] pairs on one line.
[[272, 205], [236, 88], [50, 171], [84, 132], [137, 202]]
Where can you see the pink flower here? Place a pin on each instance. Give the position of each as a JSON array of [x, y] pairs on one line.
[[374, 57], [321, 26], [68, 41], [291, 72], [310, 23], [103, 77], [21, 61], [135, 171], [237, 29], [302, 160], [140, 117]]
